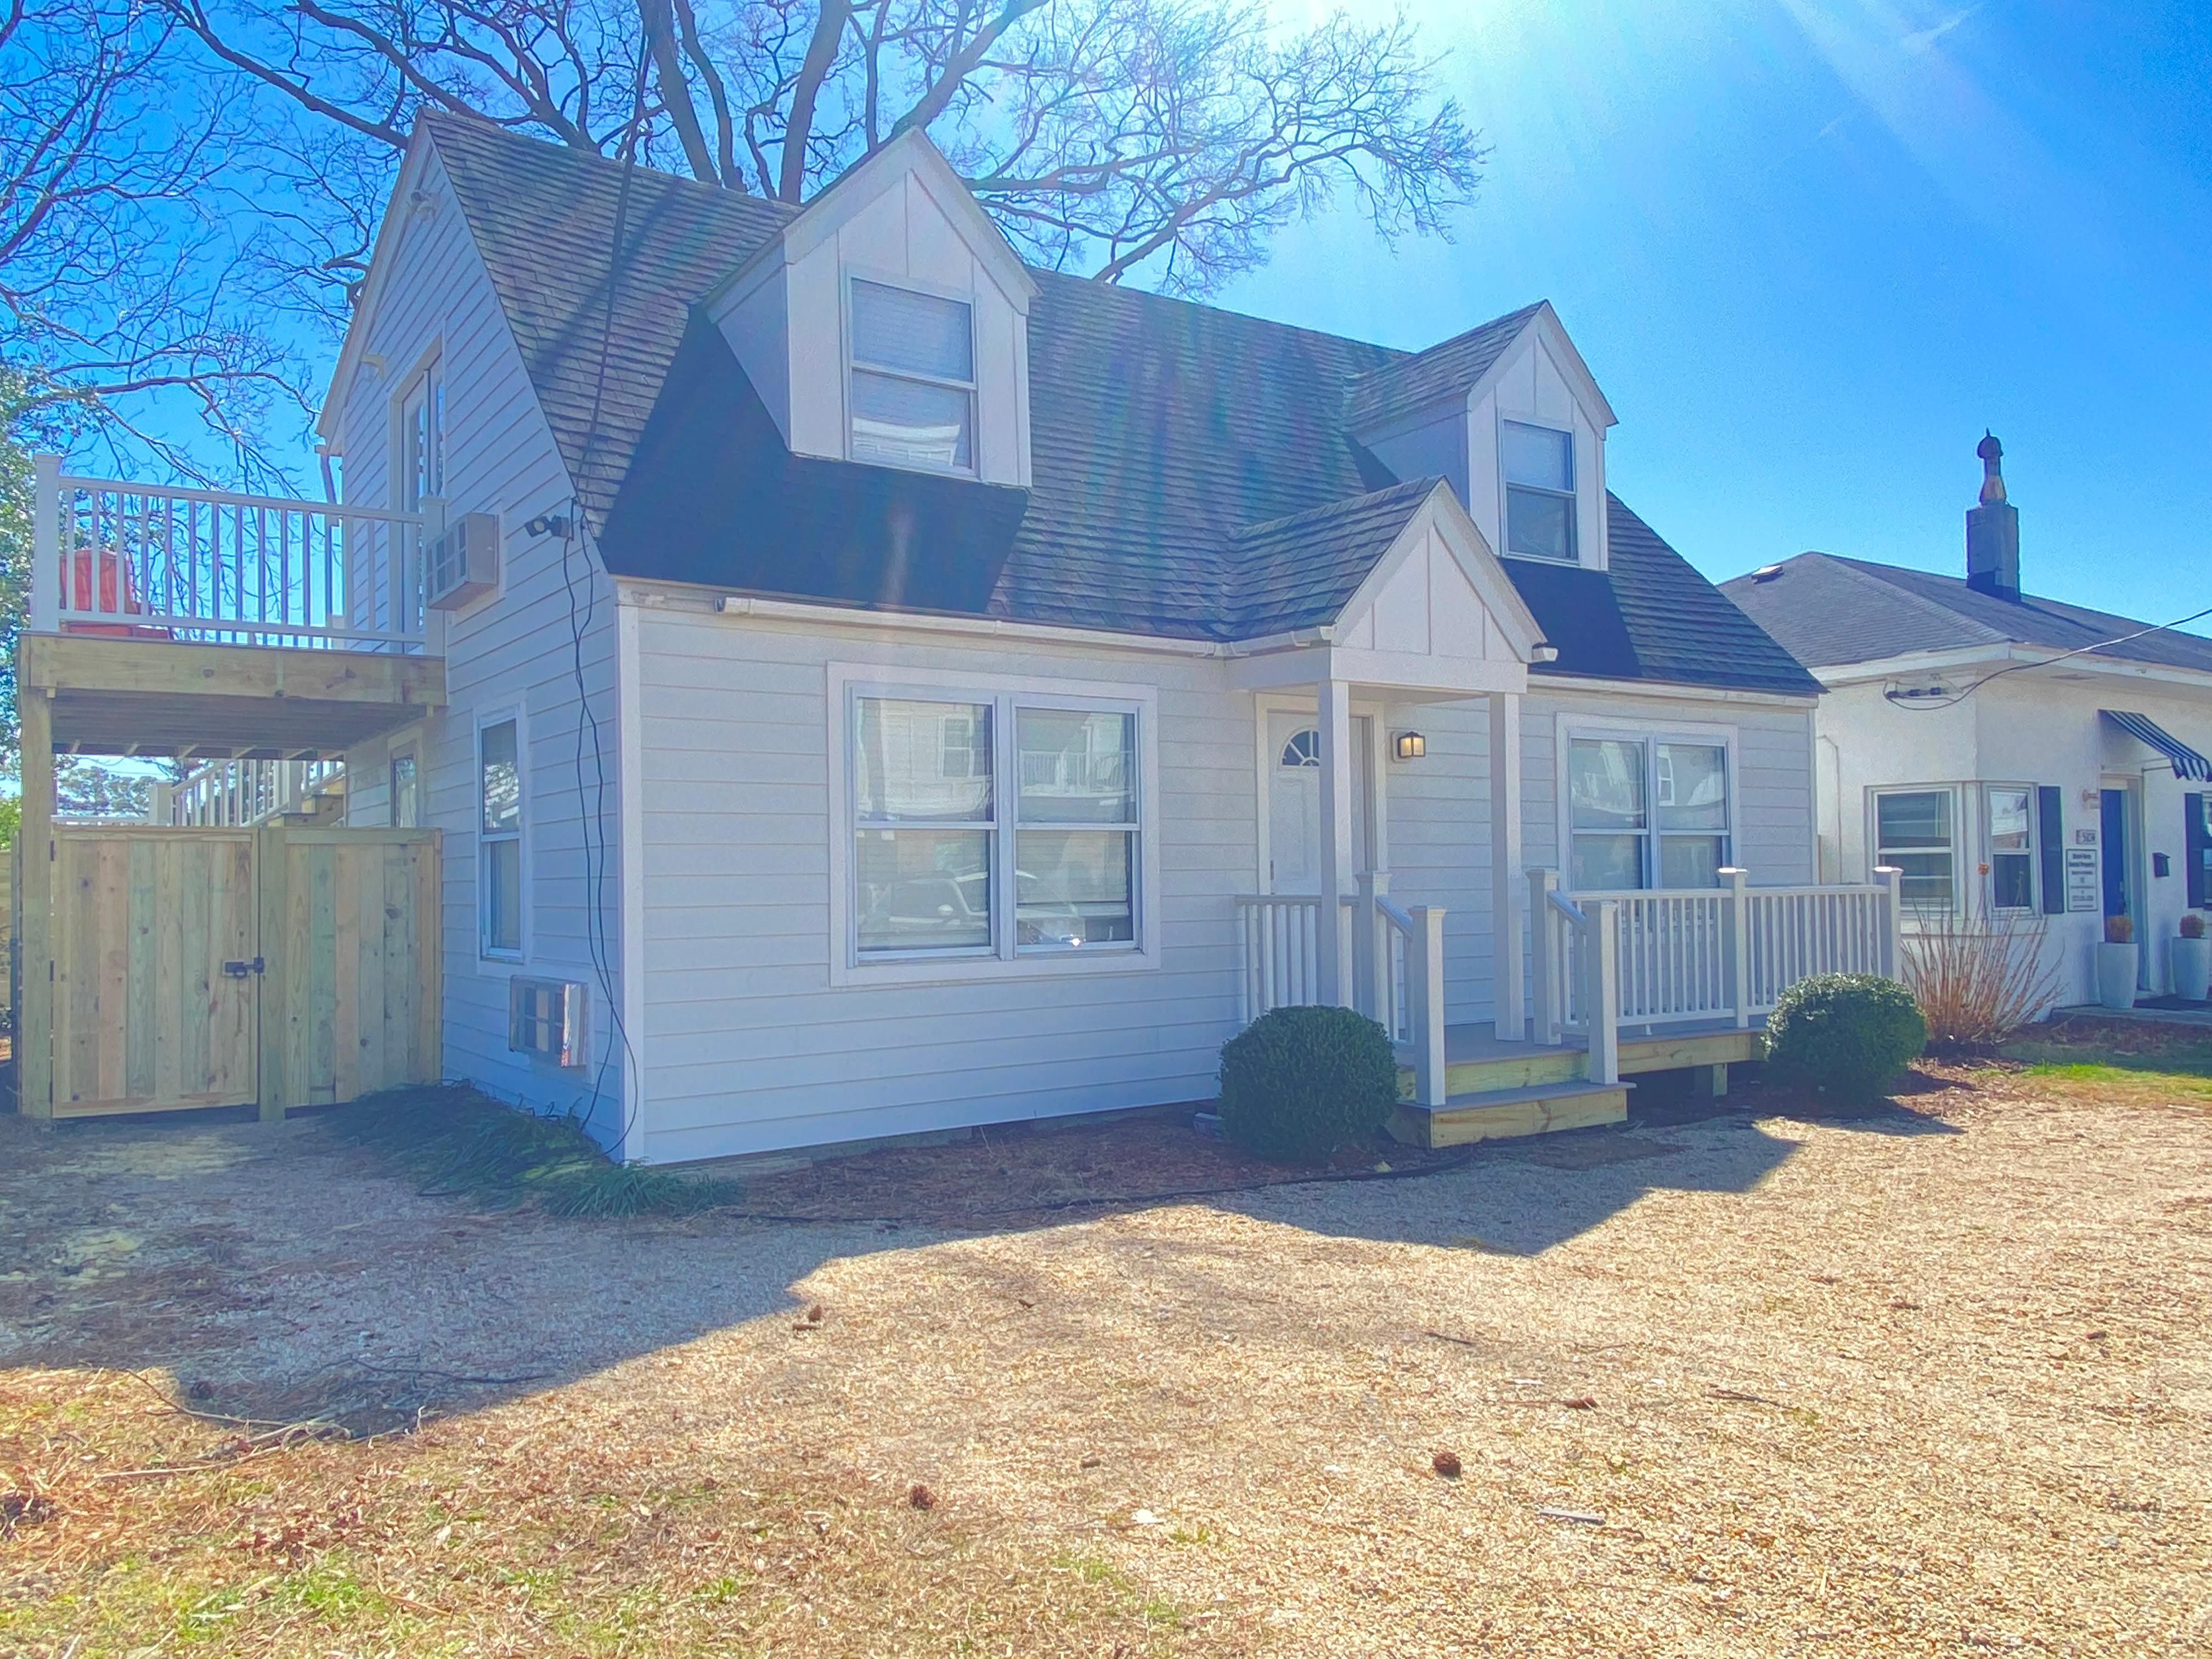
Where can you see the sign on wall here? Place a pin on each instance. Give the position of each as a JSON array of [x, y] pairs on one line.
[[2084, 891]]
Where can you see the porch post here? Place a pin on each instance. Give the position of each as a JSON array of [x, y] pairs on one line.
[[1338, 770], [34, 985], [1509, 1018]]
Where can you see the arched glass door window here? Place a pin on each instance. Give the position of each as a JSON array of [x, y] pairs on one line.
[[1303, 749]]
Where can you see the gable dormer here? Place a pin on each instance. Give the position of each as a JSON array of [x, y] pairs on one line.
[[1510, 415], [888, 323]]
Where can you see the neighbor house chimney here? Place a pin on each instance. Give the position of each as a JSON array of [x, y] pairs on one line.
[[1993, 531]]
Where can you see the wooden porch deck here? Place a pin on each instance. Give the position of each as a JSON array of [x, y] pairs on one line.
[[1497, 1089]]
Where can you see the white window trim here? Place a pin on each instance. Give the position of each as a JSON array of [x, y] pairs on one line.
[[972, 385], [1572, 726], [847, 682], [1572, 495], [516, 713], [1987, 836], [1960, 841]]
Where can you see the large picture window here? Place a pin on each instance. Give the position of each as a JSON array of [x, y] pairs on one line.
[[1647, 812], [1915, 832], [499, 839], [992, 828], [1539, 491], [913, 379]]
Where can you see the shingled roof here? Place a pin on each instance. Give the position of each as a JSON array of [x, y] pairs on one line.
[[1832, 611], [1430, 376], [1192, 474]]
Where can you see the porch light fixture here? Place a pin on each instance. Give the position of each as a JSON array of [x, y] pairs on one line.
[[1411, 745]]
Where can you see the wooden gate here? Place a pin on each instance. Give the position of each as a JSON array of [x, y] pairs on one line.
[[274, 966]]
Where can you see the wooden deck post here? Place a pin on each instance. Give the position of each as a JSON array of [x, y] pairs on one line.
[[34, 1035], [1370, 950], [1601, 992], [1739, 949], [1543, 968], [1892, 942], [1425, 1003]]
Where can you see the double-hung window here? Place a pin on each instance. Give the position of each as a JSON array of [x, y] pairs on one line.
[[499, 839], [992, 827], [1539, 491], [2011, 810], [1647, 812], [1915, 832], [912, 379]]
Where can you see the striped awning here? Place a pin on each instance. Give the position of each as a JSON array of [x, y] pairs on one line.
[[2187, 762]]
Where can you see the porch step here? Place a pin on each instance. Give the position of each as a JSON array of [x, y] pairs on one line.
[[1501, 1114], [1528, 1069]]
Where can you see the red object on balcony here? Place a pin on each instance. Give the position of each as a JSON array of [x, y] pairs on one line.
[[118, 596]]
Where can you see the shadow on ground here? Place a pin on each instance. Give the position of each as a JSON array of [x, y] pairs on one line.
[[278, 1272]]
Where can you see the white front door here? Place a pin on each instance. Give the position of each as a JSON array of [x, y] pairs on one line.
[[1294, 801]]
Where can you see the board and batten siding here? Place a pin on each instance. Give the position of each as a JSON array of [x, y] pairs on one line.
[[750, 1047], [517, 648]]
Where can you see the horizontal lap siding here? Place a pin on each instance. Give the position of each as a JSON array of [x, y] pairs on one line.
[[514, 648], [749, 1047], [1439, 834]]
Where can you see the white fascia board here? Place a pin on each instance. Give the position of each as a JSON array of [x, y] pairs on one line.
[[1593, 399], [1440, 510], [2026, 657], [1540, 684], [1395, 673], [801, 612], [419, 145]]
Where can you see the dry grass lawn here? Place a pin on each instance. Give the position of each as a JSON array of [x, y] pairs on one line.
[[1932, 1382]]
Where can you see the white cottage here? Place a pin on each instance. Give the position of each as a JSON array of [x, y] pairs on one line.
[[2007, 753], [888, 688]]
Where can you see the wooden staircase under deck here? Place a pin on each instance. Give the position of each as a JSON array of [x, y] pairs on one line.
[[1500, 1090]]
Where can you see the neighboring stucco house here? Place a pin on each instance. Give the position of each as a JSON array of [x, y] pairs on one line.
[[2007, 752], [913, 690]]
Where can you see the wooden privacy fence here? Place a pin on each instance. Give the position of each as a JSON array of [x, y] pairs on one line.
[[273, 967]]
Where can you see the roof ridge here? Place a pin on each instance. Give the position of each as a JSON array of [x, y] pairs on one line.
[[1414, 356], [1422, 486]]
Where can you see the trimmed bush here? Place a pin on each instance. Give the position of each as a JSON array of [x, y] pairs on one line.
[[1298, 1082], [1848, 1036]]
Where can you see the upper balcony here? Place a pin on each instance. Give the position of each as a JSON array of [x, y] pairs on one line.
[[200, 622]]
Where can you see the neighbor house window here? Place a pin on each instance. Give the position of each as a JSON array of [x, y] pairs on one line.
[[1915, 832], [992, 828], [406, 807], [1647, 812], [499, 770], [2012, 846], [1539, 491], [913, 379]]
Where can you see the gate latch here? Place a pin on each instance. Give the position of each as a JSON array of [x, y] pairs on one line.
[[240, 970]]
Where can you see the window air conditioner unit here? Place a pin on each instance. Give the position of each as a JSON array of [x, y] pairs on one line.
[[462, 563], [545, 1018]]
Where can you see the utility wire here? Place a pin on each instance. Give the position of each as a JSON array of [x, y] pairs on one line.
[[1905, 700]]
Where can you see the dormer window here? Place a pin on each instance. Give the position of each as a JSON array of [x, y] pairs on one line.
[[1539, 491], [912, 379]]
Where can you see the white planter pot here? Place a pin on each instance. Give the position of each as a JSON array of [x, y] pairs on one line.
[[2192, 967], [2116, 976]]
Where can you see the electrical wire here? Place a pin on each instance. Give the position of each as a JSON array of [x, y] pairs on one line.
[[1903, 700], [573, 528]]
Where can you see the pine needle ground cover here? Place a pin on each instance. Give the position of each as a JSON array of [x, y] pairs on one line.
[[1925, 1382]]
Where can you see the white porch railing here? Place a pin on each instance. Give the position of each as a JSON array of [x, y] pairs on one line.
[[1395, 957], [242, 792], [1658, 957], [131, 561]]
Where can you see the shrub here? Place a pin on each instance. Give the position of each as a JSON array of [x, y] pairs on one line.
[[2120, 930], [2192, 925], [1847, 1034], [1298, 1082], [1979, 977]]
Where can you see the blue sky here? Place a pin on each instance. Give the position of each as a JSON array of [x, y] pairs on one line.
[[1810, 248]]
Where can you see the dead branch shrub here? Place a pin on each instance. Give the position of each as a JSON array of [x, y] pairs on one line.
[[1979, 977]]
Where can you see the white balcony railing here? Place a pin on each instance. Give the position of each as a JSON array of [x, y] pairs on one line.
[[130, 560], [227, 793], [1395, 958]]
